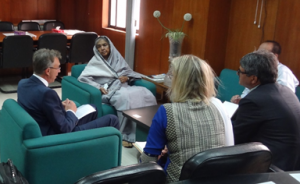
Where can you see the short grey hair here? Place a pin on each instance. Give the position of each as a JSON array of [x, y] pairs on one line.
[[262, 64], [43, 59]]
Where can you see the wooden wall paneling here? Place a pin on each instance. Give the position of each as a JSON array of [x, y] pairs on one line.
[[217, 30], [95, 16], [168, 18], [149, 45], [288, 34], [152, 51], [243, 35], [81, 14], [23, 10], [46, 9], [196, 29], [66, 13], [5, 10]]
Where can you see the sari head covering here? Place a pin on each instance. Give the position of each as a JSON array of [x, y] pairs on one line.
[[100, 71]]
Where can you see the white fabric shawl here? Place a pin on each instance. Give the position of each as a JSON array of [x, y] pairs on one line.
[[99, 71]]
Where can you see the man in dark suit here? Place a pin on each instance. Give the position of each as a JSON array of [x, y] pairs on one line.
[[45, 106], [270, 113]]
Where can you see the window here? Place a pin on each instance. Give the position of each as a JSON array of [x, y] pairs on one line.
[[117, 14]]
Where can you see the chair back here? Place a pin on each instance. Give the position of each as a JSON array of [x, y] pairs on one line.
[[146, 173], [6, 26], [239, 159], [54, 41], [29, 26], [48, 26], [17, 51], [77, 70], [16, 125], [81, 49], [229, 85]]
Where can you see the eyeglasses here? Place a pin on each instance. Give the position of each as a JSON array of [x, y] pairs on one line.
[[99, 46], [240, 72], [55, 68]]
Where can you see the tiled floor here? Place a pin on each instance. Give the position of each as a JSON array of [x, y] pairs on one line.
[[128, 154]]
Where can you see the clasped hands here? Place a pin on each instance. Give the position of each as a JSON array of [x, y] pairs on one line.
[[69, 105], [121, 78]]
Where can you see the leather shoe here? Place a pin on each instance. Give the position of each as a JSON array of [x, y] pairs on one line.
[[127, 144]]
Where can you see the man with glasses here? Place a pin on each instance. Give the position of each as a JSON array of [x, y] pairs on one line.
[[45, 106], [269, 113], [285, 75]]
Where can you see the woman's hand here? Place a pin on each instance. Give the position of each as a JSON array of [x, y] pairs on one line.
[[123, 79], [164, 152], [103, 91]]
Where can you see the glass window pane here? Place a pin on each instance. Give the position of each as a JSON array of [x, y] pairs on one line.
[[112, 12], [121, 13]]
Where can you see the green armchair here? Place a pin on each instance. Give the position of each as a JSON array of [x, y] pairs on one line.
[[59, 159], [86, 94]]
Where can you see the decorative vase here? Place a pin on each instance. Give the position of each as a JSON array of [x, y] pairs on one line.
[[175, 46], [175, 51]]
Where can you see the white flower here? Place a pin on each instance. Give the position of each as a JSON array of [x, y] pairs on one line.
[[156, 14], [186, 17]]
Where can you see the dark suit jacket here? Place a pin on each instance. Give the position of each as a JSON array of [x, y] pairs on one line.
[[45, 106], [270, 114]]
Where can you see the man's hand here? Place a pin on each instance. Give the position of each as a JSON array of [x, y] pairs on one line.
[[69, 104], [103, 91], [236, 99], [123, 79]]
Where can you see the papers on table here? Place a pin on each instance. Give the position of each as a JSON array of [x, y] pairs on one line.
[[72, 31], [153, 79], [267, 182], [13, 34], [139, 146], [84, 110], [296, 176], [29, 34], [8, 34], [230, 108]]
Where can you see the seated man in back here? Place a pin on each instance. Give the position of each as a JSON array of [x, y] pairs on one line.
[[285, 75], [269, 113], [45, 106]]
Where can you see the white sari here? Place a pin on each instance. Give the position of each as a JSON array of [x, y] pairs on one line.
[[120, 95]]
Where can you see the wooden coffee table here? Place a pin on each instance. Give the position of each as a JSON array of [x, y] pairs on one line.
[[143, 118]]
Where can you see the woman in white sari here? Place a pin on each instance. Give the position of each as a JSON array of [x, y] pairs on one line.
[[109, 72]]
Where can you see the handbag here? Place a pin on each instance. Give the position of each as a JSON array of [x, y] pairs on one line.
[[9, 174]]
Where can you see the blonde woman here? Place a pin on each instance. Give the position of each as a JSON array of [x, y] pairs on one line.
[[194, 122]]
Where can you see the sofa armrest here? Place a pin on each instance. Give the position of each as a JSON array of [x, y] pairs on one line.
[[81, 92], [149, 85], [71, 156]]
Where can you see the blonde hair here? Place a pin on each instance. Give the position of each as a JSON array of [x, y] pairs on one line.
[[193, 79]]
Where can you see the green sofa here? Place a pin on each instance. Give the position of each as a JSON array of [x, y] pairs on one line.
[[229, 85], [55, 159], [86, 94], [298, 92]]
